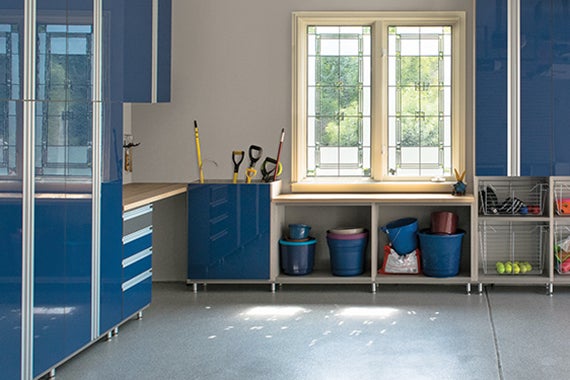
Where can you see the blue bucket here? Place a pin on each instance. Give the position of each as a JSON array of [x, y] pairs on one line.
[[440, 253], [297, 258], [402, 234], [347, 256]]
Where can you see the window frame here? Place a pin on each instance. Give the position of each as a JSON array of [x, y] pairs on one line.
[[379, 181]]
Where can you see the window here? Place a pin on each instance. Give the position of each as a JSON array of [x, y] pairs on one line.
[[379, 100]]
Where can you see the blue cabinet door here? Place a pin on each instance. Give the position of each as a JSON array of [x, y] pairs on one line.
[[128, 44], [10, 285], [62, 281], [164, 50], [560, 88], [491, 95], [535, 88], [228, 231], [11, 60]]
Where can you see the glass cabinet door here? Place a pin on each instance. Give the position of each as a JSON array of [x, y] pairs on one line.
[[11, 57]]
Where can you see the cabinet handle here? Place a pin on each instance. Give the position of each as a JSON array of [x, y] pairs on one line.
[[136, 280]]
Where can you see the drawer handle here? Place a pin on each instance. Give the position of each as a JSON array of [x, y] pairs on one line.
[[137, 212], [137, 257], [136, 280], [137, 235]]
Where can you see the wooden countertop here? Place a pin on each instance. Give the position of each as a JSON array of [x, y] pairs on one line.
[[139, 194], [369, 198]]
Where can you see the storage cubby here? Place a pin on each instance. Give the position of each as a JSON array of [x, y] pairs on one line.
[[322, 218], [561, 248], [561, 193], [389, 213], [510, 196], [326, 211], [513, 245]]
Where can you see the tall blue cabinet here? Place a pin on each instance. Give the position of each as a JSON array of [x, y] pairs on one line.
[[544, 89], [61, 133]]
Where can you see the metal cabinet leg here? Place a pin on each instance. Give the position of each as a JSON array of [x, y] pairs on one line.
[[116, 331], [109, 335], [195, 287], [139, 315], [468, 288], [549, 289], [272, 287], [373, 287], [51, 374], [480, 288]]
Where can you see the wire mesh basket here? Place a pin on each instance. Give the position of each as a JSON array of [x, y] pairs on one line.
[[562, 197], [509, 248], [562, 249], [513, 196]]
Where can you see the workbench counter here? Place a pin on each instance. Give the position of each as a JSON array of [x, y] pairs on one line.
[[139, 194]]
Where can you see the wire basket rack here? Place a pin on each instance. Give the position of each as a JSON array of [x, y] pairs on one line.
[[562, 248], [513, 196], [562, 197], [513, 245]]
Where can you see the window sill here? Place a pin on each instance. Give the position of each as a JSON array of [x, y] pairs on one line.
[[372, 187]]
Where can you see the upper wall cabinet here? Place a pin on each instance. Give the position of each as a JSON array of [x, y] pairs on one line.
[[491, 84], [137, 48], [543, 82]]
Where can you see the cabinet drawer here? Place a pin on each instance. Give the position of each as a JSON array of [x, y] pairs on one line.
[[137, 219], [137, 293], [137, 264], [137, 242]]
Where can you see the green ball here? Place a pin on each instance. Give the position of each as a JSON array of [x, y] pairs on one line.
[[500, 268], [508, 268]]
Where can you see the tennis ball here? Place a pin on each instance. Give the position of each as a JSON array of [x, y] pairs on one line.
[[508, 268], [500, 267], [524, 268], [516, 269]]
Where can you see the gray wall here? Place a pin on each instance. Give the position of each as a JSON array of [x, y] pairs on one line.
[[231, 71]]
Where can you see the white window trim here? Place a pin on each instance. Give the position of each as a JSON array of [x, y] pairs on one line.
[[379, 181]]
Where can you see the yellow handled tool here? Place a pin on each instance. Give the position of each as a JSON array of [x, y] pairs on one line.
[[255, 153], [235, 155], [198, 152]]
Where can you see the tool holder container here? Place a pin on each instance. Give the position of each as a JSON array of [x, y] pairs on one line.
[[510, 196], [513, 242]]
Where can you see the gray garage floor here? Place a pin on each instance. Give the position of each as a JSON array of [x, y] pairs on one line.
[[331, 332]]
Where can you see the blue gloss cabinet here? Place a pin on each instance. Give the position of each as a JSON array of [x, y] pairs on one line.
[[491, 88], [135, 63], [62, 281], [11, 126], [137, 260], [228, 231], [544, 88]]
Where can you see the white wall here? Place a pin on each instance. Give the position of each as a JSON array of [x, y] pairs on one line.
[[231, 71]]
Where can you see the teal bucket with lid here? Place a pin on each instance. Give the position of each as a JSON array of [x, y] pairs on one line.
[[403, 235]]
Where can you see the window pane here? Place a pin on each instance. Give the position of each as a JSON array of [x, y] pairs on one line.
[[419, 101], [340, 99]]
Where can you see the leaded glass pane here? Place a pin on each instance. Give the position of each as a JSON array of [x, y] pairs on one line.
[[419, 101], [338, 101]]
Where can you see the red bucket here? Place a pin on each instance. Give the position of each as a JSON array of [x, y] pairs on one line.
[[443, 222]]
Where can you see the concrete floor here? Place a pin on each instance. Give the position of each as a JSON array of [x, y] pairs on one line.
[[332, 332]]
